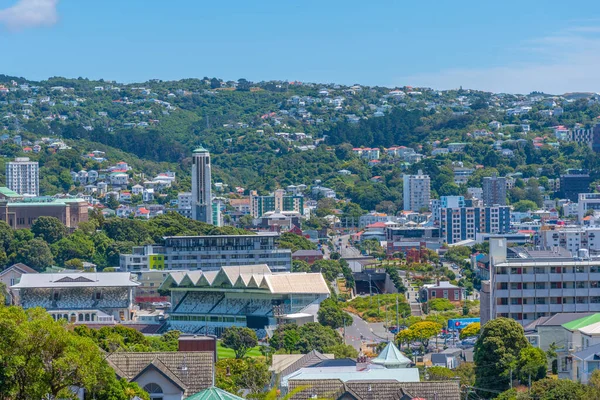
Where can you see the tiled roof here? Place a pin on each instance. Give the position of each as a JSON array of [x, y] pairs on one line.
[[380, 390], [307, 360], [192, 371]]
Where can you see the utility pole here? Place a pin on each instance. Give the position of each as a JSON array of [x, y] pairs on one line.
[[511, 378], [529, 384], [397, 316], [370, 291]]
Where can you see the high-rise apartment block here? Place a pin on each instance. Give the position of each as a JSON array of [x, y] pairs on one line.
[[202, 209], [23, 176], [494, 191], [464, 223], [416, 191]]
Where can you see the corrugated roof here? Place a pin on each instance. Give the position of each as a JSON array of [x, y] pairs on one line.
[[76, 279], [297, 283], [582, 322]]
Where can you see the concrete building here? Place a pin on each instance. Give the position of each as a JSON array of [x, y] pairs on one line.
[[23, 176], [529, 284], [209, 253], [184, 204], [442, 290], [19, 212], [417, 192], [277, 201], [575, 182], [494, 191], [571, 238], [201, 186], [585, 202], [458, 224]]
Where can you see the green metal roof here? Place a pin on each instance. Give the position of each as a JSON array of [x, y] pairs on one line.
[[8, 193], [200, 149], [391, 357], [213, 393], [582, 322]]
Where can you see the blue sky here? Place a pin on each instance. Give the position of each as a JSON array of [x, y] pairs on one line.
[[509, 46]]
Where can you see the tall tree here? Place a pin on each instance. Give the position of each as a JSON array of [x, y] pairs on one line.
[[496, 352], [241, 340]]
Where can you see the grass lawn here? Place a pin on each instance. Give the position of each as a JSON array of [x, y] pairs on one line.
[[224, 352]]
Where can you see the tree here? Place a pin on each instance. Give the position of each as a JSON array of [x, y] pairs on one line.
[[532, 363], [42, 359], [342, 351], [49, 229], [234, 375], [470, 330], [496, 351], [330, 314], [559, 389], [525, 205], [421, 331], [440, 304], [36, 254], [241, 340]]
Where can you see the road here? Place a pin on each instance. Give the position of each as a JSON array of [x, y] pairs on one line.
[[345, 249], [369, 332]]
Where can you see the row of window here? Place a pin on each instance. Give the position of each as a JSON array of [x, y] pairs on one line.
[[548, 285], [504, 301]]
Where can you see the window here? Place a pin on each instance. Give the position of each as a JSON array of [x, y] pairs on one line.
[[155, 391]]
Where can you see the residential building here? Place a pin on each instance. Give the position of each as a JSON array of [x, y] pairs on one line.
[[201, 186], [494, 191], [441, 290], [209, 253], [571, 238], [403, 239], [277, 201], [372, 218], [416, 192], [174, 375], [464, 223], [11, 276], [308, 256], [184, 204], [23, 176], [575, 182], [587, 202], [527, 284]]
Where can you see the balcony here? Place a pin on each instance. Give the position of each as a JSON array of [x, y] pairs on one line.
[[529, 293], [568, 308], [582, 307], [542, 307], [542, 292], [555, 277], [528, 277], [502, 309], [567, 292], [594, 291], [556, 307], [542, 277], [502, 278], [582, 292], [569, 277], [582, 277], [516, 293], [528, 308], [516, 308], [595, 276]]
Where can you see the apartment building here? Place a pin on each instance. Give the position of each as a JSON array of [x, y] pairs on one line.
[[494, 191], [277, 201], [586, 202], [529, 284], [23, 176], [417, 191], [572, 238], [575, 182], [464, 223], [209, 253]]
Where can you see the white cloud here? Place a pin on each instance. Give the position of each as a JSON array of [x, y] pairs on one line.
[[567, 62], [29, 14]]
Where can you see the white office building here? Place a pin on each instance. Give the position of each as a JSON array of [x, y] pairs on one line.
[[416, 192], [201, 189], [23, 176], [572, 238], [587, 201]]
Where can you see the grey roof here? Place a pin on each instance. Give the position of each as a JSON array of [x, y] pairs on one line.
[[556, 320], [440, 358], [191, 371], [376, 389], [306, 253], [22, 268], [76, 279], [391, 357], [346, 374], [592, 352], [308, 360]]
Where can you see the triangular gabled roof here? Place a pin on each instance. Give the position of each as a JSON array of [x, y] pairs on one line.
[[222, 279], [391, 357]]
